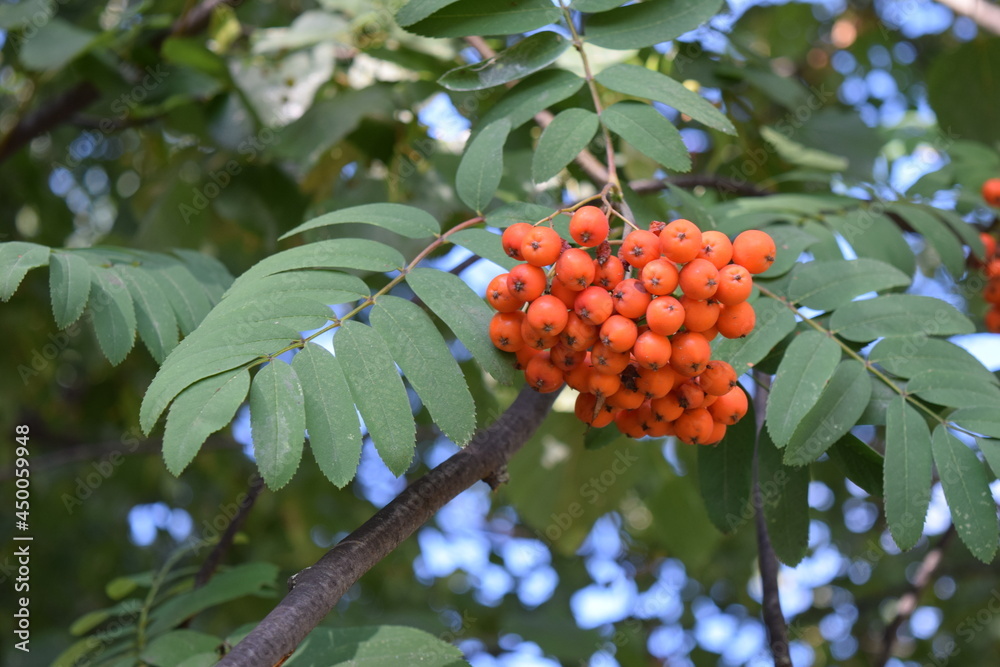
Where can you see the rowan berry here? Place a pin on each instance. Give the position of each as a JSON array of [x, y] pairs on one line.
[[627, 422], [640, 248], [737, 320], [689, 394], [690, 353], [542, 375], [505, 331], [594, 305], [524, 355], [618, 333], [718, 433], [565, 294], [513, 238], [731, 407], [631, 298], [564, 358], [603, 384], [735, 285], [537, 339], [547, 314], [610, 273], [655, 384], [606, 360], [498, 295], [680, 241], [754, 250], [659, 277], [992, 319], [541, 246], [652, 350], [575, 269], [578, 335], [716, 248], [989, 245], [589, 226], [526, 282], [694, 427], [699, 314], [991, 191], [717, 378], [626, 398], [579, 377], [665, 315], [588, 412], [667, 408], [699, 279], [991, 293]]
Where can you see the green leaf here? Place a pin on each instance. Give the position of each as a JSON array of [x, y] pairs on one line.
[[531, 95], [404, 220], [154, 315], [568, 134], [964, 115], [597, 438], [423, 355], [801, 155], [328, 287], [481, 167], [652, 85], [649, 132], [859, 463], [907, 472], [55, 44], [724, 475], [69, 286], [774, 322], [969, 233], [484, 243], [937, 235], [907, 356], [331, 418], [199, 411], [595, 5], [648, 23], [980, 419], [790, 242], [213, 275], [466, 315], [825, 285], [873, 235], [225, 586], [245, 314], [114, 314], [187, 296], [954, 388], [474, 17], [361, 254], [808, 364], [967, 489], [784, 494], [171, 649], [378, 392], [416, 10], [16, 259], [526, 57], [837, 411], [374, 646], [277, 422], [898, 315]]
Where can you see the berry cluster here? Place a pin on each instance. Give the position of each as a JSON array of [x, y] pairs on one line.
[[991, 293], [631, 333]]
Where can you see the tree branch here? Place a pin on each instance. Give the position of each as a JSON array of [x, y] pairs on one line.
[[986, 14], [226, 541], [908, 602], [315, 590]]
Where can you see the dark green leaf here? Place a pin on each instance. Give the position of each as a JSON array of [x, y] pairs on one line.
[[649, 132], [981, 419], [898, 315], [968, 116], [246, 314], [784, 492], [648, 84], [568, 134], [187, 296], [362, 254], [173, 648], [485, 244], [113, 314], [800, 155], [648, 23], [415, 10], [154, 316], [466, 315], [724, 475], [774, 322], [531, 95], [859, 463], [69, 287], [967, 489], [214, 277], [873, 235], [374, 646], [837, 411], [808, 364], [474, 17], [277, 422], [907, 356], [936, 234], [423, 355], [830, 284], [596, 438], [481, 167], [16, 259], [55, 44], [331, 418], [405, 220], [199, 411], [526, 57], [328, 287], [595, 5], [378, 392], [954, 388], [907, 472]]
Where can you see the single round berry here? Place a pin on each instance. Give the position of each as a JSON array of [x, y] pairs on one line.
[[512, 239], [606, 360], [989, 245], [652, 350], [717, 378], [566, 359], [694, 427], [536, 338], [991, 191], [659, 277], [619, 333], [603, 384], [631, 298], [699, 279], [579, 377], [588, 412], [737, 320], [575, 269], [505, 331], [559, 290], [640, 248], [626, 398], [524, 355], [690, 355], [610, 273], [499, 296], [735, 285], [680, 241], [718, 433], [542, 375], [578, 335], [754, 250], [716, 248], [655, 384], [991, 293], [731, 407], [628, 423], [665, 315], [526, 282], [541, 246], [589, 226], [992, 319], [689, 394], [699, 314], [594, 305], [548, 314], [667, 408]]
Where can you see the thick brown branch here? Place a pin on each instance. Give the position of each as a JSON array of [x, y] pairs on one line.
[[315, 590]]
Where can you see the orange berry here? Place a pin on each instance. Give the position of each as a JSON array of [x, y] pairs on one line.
[[537, 339], [991, 191], [505, 331], [680, 241], [639, 248], [526, 282], [699, 315], [627, 422], [735, 285], [513, 237], [652, 350], [619, 333], [755, 250], [655, 384], [989, 245], [659, 277], [578, 335], [699, 279], [626, 398], [737, 320], [665, 315], [566, 359], [689, 394], [575, 269], [717, 378], [524, 355], [606, 360], [587, 411], [548, 314], [992, 319], [667, 408], [993, 268], [541, 246], [610, 273], [631, 298], [542, 375], [690, 354], [563, 293], [991, 293], [589, 226], [731, 407], [594, 305], [694, 427], [718, 433], [579, 377], [716, 248], [603, 384], [498, 295], [710, 333]]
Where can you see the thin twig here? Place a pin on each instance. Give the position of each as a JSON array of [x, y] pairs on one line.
[[226, 540]]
